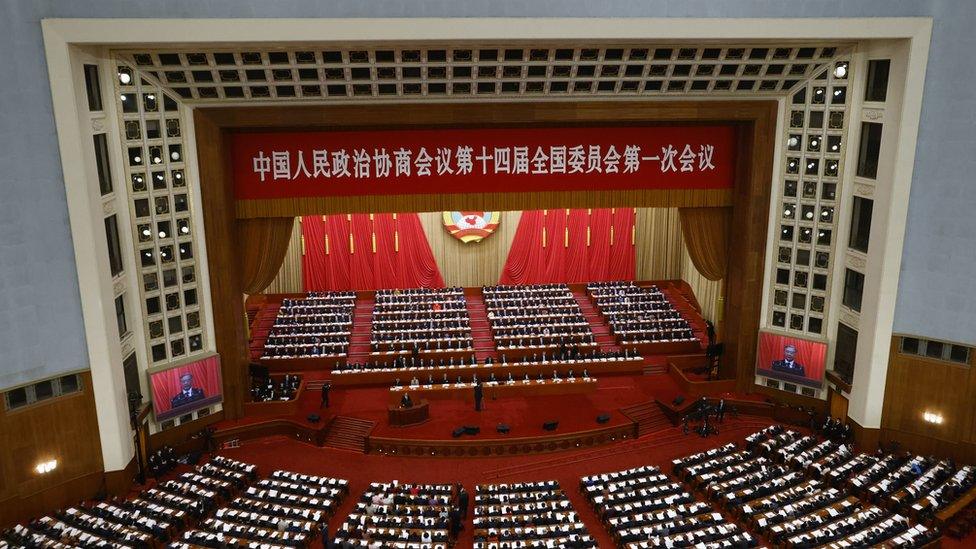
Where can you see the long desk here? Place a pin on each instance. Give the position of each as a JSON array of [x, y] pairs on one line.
[[518, 371], [465, 391], [446, 354]]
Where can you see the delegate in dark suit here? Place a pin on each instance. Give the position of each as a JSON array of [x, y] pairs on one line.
[[788, 365], [188, 393], [184, 397]]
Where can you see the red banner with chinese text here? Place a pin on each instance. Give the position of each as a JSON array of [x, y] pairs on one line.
[[353, 163]]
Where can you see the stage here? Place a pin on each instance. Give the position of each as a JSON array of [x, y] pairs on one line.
[[576, 414]]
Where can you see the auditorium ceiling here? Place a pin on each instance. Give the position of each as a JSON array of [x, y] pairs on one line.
[[479, 72]]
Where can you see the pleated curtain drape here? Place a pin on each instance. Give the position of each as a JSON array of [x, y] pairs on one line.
[[571, 246], [263, 243], [706, 235], [366, 252]]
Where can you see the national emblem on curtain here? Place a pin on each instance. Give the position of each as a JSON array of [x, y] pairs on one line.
[[471, 226]]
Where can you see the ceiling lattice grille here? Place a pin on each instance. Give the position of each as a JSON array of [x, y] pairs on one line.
[[459, 72]]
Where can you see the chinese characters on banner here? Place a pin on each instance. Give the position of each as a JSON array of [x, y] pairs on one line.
[[283, 165]]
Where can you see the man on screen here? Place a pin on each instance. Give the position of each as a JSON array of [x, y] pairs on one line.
[[789, 365], [188, 393]]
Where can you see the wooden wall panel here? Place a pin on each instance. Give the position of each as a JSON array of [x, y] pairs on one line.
[[916, 385], [475, 263], [289, 279], [65, 429], [226, 289], [650, 198]]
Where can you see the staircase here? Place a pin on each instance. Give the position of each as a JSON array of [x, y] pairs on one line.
[[688, 311], [648, 417], [349, 433], [314, 385], [264, 319], [599, 326], [655, 365], [362, 323], [484, 341]]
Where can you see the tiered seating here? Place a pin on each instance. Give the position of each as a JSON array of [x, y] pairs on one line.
[[639, 315], [401, 515], [946, 493], [420, 320], [536, 318], [536, 514], [156, 515], [317, 325], [285, 510], [913, 480], [643, 507], [798, 511]]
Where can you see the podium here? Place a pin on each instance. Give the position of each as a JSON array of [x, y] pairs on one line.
[[400, 417]]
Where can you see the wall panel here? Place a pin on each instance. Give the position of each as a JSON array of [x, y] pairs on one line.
[[474, 263], [916, 385], [65, 429]]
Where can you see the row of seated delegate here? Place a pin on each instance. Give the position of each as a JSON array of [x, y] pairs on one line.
[[420, 320], [534, 514], [156, 515], [448, 370], [637, 314], [540, 317], [318, 325], [284, 510], [644, 507], [793, 496], [411, 516]]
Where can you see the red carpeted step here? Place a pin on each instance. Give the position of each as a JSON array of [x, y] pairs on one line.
[[598, 325], [349, 433], [260, 328], [483, 340], [648, 417]]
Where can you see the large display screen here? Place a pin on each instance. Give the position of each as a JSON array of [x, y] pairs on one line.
[[791, 359], [183, 389]]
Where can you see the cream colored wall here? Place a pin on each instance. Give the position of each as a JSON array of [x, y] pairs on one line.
[[475, 263]]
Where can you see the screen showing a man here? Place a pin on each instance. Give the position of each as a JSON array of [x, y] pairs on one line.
[[185, 388], [188, 393], [792, 360], [789, 365]]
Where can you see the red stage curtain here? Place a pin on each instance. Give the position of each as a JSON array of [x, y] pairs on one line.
[[551, 246], [367, 253], [623, 249]]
